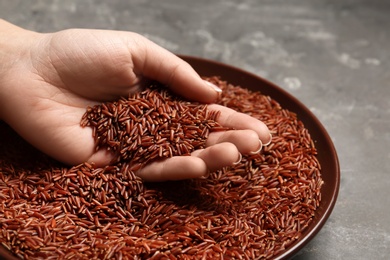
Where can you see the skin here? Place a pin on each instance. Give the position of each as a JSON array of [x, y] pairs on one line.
[[48, 80]]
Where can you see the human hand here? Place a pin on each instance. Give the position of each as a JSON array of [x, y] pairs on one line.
[[48, 80]]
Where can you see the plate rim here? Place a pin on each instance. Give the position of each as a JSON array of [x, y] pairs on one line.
[[296, 246], [320, 221]]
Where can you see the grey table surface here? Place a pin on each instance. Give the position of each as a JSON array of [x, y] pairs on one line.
[[334, 56]]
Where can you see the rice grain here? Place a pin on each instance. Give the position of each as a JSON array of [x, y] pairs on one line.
[[253, 210]]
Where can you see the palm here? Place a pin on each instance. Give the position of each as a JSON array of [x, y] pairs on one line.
[[62, 82]]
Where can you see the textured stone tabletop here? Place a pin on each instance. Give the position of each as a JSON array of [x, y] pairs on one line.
[[332, 55]]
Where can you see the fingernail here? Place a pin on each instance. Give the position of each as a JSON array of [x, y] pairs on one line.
[[239, 159], [206, 175], [258, 150], [214, 87], [270, 140]]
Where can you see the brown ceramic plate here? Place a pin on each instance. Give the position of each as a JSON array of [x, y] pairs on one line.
[[327, 155], [326, 151]]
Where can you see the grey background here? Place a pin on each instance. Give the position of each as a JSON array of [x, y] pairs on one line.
[[332, 55]]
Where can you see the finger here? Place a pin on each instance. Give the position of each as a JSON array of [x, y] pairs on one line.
[[219, 155], [197, 165], [233, 119], [174, 168], [246, 141], [163, 66], [102, 158]]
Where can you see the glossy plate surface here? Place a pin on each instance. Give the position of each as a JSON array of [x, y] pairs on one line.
[[327, 155]]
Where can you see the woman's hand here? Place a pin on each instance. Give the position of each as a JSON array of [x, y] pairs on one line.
[[48, 80]]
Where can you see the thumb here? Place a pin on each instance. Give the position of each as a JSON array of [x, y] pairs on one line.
[[157, 63]]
